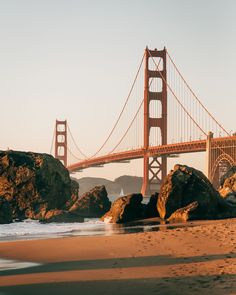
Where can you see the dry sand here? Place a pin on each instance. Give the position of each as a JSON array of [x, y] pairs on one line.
[[189, 260]]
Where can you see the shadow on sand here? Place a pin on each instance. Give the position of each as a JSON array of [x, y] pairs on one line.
[[217, 285]]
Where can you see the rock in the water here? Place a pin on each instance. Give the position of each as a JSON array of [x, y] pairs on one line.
[[5, 211], [33, 184], [183, 214], [124, 209], [184, 185], [61, 216], [151, 207], [94, 203]]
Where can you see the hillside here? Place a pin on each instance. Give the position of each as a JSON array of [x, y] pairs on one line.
[[127, 183]]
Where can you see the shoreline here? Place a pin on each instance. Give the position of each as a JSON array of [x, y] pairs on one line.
[[134, 227], [187, 260]]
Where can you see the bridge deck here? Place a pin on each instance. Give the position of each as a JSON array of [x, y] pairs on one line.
[[169, 149]]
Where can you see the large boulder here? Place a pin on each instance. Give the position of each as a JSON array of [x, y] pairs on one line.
[[57, 215], [185, 185], [150, 210], [183, 214], [5, 211], [33, 184], [227, 188], [124, 209], [94, 203]]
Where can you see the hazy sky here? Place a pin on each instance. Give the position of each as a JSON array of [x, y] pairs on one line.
[[75, 60]]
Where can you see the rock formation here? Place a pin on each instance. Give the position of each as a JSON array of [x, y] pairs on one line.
[[228, 185], [61, 216], [183, 214], [124, 209], [33, 184], [94, 203], [150, 210], [183, 186], [5, 211]]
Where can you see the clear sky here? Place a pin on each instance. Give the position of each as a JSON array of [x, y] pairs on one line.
[[75, 60]]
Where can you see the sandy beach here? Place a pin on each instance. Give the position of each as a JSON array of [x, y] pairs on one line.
[[188, 260]]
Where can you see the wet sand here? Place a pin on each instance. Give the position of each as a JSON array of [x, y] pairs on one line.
[[186, 260]]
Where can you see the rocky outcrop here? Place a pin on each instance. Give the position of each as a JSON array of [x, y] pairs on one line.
[[94, 203], [150, 210], [61, 216], [33, 184], [185, 185], [5, 211], [124, 209], [183, 214], [228, 185]]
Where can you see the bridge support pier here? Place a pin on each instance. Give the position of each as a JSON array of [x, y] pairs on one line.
[[220, 156], [154, 170], [208, 155]]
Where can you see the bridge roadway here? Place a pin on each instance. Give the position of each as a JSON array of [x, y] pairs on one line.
[[169, 149]]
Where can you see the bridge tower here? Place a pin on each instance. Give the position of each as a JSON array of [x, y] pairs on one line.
[[220, 156], [61, 141], [154, 168]]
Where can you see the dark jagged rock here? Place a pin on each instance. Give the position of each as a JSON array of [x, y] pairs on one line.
[[94, 203], [61, 216], [5, 211], [228, 185], [124, 209], [74, 194], [183, 214], [227, 175], [33, 184], [184, 185], [150, 209]]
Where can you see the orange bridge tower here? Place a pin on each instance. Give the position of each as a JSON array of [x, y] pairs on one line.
[[154, 167], [61, 141]]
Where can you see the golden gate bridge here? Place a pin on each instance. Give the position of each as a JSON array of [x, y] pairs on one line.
[[161, 117]]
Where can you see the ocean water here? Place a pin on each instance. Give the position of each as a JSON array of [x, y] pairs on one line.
[[33, 229]]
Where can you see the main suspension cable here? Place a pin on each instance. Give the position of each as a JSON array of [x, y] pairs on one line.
[[53, 139], [126, 101], [193, 93], [76, 143], [168, 86]]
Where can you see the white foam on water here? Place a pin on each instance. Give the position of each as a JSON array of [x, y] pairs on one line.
[[8, 264], [33, 228]]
